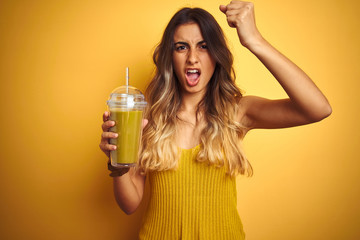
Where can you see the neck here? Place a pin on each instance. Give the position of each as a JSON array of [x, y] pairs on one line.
[[188, 109], [190, 102]]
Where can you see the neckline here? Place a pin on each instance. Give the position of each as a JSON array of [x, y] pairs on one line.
[[190, 149]]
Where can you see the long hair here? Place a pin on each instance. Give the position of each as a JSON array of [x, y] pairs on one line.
[[221, 137]]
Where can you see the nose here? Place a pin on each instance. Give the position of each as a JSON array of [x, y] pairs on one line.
[[192, 57]]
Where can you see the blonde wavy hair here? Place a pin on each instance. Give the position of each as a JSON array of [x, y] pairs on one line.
[[221, 138]]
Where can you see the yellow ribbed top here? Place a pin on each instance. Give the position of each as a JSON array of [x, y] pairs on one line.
[[196, 201]]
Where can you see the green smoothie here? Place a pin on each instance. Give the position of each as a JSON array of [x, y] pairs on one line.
[[128, 126]]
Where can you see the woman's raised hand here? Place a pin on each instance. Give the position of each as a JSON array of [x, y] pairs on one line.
[[240, 15], [106, 135]]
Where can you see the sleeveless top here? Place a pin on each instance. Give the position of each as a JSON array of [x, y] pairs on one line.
[[195, 201]]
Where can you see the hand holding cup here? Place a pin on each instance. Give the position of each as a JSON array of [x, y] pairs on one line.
[[106, 135]]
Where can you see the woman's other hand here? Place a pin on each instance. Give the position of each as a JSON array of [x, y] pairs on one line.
[[106, 135]]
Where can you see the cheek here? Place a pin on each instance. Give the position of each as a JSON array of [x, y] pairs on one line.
[[208, 61], [174, 61], [210, 66], [176, 64]]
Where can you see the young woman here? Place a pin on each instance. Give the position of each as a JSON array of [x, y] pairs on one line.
[[196, 120]]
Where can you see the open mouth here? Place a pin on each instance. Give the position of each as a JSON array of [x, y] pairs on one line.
[[192, 76]]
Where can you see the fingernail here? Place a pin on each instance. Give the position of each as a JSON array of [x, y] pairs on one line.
[[116, 135], [114, 147]]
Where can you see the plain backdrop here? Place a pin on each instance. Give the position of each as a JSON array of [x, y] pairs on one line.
[[59, 61]]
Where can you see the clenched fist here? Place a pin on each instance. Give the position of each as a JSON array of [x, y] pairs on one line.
[[240, 15]]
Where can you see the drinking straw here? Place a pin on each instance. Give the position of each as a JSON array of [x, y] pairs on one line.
[[127, 79]]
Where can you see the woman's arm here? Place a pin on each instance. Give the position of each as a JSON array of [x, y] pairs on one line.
[[129, 190], [306, 103], [129, 187]]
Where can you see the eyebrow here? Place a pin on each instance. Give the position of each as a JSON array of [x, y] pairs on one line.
[[187, 44]]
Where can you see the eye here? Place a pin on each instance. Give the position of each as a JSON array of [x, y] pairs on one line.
[[203, 46], [180, 47]]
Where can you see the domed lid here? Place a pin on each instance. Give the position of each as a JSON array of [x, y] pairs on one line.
[[126, 97]]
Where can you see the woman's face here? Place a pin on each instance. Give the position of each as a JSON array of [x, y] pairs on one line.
[[193, 64]]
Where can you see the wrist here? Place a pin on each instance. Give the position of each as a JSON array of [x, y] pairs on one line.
[[259, 46], [254, 43], [117, 172]]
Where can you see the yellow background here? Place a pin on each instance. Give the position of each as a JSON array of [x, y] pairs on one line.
[[59, 60]]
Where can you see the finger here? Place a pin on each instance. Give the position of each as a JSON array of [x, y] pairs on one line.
[[233, 6], [107, 125], [231, 21], [106, 116], [105, 147], [144, 123], [108, 135], [240, 5], [232, 13], [223, 8]]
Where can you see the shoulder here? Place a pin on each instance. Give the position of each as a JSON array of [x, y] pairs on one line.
[[250, 110], [244, 105]]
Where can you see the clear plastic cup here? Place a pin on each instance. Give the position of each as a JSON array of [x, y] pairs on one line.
[[126, 105]]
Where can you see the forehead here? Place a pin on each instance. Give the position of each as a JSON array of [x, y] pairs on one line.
[[188, 32]]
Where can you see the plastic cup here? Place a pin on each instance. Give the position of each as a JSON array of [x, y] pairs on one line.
[[126, 105]]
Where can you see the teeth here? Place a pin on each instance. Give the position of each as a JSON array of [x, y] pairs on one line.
[[192, 71]]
